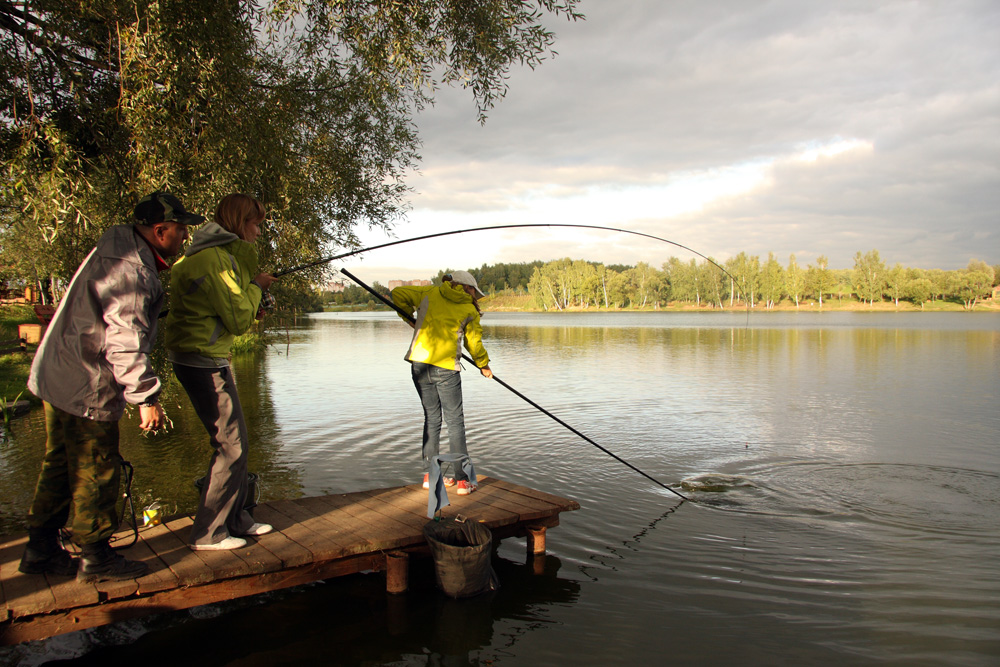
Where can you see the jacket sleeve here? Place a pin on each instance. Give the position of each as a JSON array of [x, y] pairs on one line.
[[128, 299], [234, 300], [408, 298], [474, 342]]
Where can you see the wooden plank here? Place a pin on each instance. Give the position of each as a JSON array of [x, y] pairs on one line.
[[160, 577], [382, 505], [314, 538], [67, 593], [338, 518], [411, 499], [8, 554], [112, 590], [528, 508], [312, 532], [288, 551], [476, 506], [564, 504], [224, 564], [499, 499], [88, 617], [176, 556], [378, 529], [258, 556], [25, 594]]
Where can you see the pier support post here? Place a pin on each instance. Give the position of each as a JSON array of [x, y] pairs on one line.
[[397, 572], [536, 540]]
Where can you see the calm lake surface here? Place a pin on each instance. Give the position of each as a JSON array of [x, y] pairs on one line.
[[843, 470]]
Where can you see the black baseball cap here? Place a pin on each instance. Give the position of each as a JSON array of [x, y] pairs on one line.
[[164, 207]]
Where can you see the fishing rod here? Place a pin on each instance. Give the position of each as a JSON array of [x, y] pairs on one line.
[[409, 318], [326, 260]]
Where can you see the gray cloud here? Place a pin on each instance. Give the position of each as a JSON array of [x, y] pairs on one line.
[[647, 92]]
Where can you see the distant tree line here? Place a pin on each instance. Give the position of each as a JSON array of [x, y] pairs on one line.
[[352, 295], [742, 280]]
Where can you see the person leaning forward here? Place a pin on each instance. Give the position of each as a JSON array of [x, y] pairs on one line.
[[445, 317], [216, 293], [93, 360]]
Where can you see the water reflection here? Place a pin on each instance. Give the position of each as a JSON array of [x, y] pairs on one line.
[[864, 530]]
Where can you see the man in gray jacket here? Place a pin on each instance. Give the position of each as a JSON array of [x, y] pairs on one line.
[[95, 358]]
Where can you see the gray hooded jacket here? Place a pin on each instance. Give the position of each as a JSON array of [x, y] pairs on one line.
[[95, 354]]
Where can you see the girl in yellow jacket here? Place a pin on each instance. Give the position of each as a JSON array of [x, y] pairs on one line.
[[446, 318]]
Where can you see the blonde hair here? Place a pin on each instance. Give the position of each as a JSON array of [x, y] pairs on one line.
[[236, 210]]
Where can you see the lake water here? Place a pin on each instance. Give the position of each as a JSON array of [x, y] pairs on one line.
[[843, 471]]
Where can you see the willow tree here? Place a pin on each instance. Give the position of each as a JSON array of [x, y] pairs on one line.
[[308, 105]]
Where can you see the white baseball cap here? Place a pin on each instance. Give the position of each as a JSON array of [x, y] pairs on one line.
[[464, 278]]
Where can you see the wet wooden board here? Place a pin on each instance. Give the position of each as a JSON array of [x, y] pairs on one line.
[[314, 538]]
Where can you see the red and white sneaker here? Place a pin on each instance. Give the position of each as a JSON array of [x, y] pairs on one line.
[[448, 481], [465, 487]]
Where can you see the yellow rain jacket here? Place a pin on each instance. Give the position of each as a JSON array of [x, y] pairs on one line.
[[445, 320]]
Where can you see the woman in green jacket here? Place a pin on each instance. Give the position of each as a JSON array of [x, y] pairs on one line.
[[446, 319], [216, 292]]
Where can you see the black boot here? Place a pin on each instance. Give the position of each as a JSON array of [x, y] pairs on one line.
[[99, 562], [45, 555]]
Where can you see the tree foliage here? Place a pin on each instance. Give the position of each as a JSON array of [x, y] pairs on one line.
[[307, 105], [578, 284], [869, 276]]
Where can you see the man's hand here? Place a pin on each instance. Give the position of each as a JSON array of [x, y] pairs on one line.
[[487, 373], [151, 417]]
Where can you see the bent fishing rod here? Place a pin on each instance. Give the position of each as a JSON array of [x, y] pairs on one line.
[[326, 260], [409, 318]]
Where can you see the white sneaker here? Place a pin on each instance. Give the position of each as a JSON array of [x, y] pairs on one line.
[[225, 545], [259, 529]]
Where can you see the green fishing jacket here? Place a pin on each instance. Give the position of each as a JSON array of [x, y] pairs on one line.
[[211, 297], [445, 320]]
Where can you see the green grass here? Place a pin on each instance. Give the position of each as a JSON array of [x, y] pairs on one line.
[[14, 367], [13, 314], [251, 341]]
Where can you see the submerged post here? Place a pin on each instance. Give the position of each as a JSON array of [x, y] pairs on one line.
[[397, 572], [536, 540]]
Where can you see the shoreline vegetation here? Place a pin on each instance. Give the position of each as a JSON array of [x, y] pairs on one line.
[[525, 303], [569, 285]]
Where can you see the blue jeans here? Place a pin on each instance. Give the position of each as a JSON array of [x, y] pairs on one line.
[[440, 392]]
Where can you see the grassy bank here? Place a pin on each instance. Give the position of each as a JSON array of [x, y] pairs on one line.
[[14, 367]]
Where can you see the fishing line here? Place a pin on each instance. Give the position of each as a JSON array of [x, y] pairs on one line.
[[326, 260], [515, 391]]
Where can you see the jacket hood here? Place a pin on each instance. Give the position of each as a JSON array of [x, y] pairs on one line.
[[209, 236], [455, 293]]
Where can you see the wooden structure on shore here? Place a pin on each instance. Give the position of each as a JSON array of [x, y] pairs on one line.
[[314, 538]]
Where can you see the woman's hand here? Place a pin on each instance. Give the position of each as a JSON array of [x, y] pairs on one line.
[[264, 281], [487, 373]]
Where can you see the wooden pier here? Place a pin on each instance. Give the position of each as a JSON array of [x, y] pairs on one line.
[[314, 538]]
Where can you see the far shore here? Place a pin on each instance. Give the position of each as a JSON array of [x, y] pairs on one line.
[[508, 304]]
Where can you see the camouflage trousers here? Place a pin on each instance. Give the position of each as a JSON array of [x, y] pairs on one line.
[[80, 477]]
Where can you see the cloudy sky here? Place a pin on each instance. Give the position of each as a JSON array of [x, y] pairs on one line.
[[785, 126]]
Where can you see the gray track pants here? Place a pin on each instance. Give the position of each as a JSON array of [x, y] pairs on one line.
[[221, 510]]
